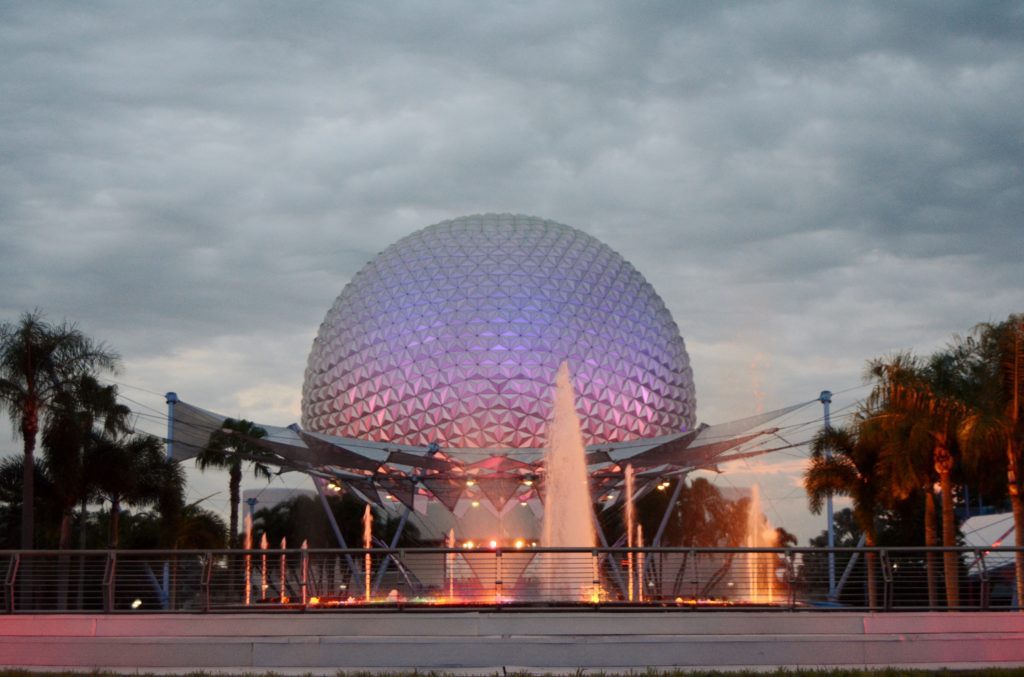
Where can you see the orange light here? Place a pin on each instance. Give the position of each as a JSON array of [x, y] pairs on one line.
[[494, 544], [475, 504], [468, 545], [520, 543], [470, 483], [313, 601]]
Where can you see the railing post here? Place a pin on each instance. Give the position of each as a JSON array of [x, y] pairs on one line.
[[109, 575], [983, 594], [696, 572], [11, 582], [204, 584], [497, 577], [304, 582], [791, 578], [887, 591]]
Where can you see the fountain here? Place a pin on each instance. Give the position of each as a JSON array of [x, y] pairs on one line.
[[248, 559], [760, 567], [630, 531], [282, 574], [264, 544], [367, 543], [568, 511], [450, 564]]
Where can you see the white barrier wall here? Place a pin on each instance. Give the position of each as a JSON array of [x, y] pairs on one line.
[[522, 640]]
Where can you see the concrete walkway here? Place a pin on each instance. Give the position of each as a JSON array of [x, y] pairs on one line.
[[485, 642]]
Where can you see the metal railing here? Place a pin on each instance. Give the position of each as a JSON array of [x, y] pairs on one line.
[[101, 581]]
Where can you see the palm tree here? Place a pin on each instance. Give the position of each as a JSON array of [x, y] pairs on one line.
[[129, 471], [37, 362], [918, 408], [846, 462], [993, 429], [229, 448], [75, 411], [12, 473]]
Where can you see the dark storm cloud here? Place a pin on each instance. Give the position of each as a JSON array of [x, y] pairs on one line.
[[813, 183]]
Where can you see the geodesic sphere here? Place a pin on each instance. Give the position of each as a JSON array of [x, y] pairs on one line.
[[454, 333]]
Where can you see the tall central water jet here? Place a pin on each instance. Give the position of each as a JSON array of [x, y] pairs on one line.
[[568, 509]]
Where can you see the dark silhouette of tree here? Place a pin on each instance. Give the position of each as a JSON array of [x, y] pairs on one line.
[[75, 411], [992, 431], [846, 462], [230, 448], [38, 361], [129, 471], [919, 408]]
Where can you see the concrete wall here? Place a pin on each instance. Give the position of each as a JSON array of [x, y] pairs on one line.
[[486, 641]]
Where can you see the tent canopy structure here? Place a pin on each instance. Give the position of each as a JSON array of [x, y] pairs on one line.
[[383, 472]]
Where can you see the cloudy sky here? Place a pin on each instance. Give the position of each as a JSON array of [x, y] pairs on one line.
[[806, 184]]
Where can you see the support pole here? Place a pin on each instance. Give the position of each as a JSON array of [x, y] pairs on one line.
[[649, 562], [394, 542], [616, 569], [656, 543], [172, 399], [849, 567], [826, 401], [353, 567]]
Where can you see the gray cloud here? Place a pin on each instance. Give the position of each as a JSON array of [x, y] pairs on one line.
[[807, 185]]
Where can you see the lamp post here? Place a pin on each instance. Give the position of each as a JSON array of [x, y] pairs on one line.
[[826, 400]]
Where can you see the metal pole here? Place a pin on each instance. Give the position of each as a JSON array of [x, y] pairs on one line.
[[172, 399], [826, 400], [353, 567], [394, 542], [656, 543]]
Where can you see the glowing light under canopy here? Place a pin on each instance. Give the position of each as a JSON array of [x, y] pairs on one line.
[[454, 335]]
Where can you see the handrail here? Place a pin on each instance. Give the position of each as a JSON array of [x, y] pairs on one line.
[[310, 579]]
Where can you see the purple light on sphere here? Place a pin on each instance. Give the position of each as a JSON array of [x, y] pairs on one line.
[[454, 334]]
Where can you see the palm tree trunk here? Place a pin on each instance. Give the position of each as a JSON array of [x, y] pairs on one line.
[[930, 541], [949, 559], [235, 474], [115, 521], [82, 542], [64, 561], [65, 528], [871, 561], [29, 430], [1018, 519]]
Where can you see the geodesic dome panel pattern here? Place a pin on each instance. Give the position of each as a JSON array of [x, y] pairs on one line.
[[454, 334]]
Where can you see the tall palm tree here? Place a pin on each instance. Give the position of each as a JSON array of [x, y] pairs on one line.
[[993, 429], [230, 448], [847, 462], [76, 410], [37, 362], [920, 411]]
